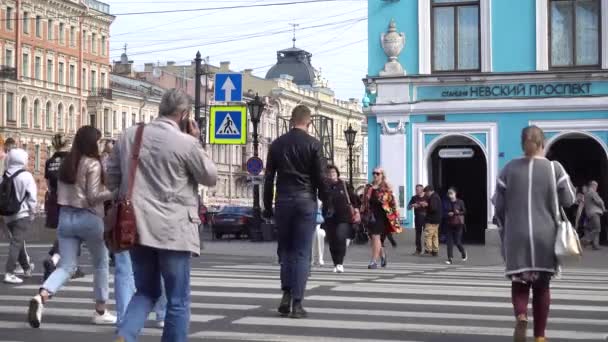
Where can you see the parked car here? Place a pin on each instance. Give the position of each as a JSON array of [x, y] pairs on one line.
[[232, 220]]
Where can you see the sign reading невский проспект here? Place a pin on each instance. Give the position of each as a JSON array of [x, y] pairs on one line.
[[518, 90]]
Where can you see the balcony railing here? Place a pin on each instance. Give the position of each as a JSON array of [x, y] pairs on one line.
[[105, 93], [7, 72]]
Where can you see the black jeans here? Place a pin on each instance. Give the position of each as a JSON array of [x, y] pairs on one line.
[[454, 236], [295, 216], [419, 224], [16, 249], [337, 235]]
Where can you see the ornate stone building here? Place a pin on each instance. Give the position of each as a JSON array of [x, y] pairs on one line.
[[53, 63]]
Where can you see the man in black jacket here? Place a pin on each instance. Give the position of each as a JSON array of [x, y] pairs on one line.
[[419, 215], [296, 159], [434, 211]]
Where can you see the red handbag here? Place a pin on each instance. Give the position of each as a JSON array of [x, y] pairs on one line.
[[121, 225]]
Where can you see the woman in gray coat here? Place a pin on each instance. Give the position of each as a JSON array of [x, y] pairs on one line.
[[526, 215]]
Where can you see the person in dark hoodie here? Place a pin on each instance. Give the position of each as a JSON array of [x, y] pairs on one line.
[[434, 210], [51, 172]]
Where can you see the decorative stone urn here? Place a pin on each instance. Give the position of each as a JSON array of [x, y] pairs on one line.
[[393, 43]]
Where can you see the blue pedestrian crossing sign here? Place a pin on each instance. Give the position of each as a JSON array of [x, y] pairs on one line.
[[228, 87], [228, 125]]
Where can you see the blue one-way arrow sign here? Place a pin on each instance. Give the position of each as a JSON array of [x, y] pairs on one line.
[[228, 87]]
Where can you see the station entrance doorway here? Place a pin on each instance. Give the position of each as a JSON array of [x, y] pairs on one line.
[[584, 159], [459, 162]]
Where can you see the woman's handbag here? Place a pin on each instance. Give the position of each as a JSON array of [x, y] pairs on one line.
[[355, 215], [567, 243], [121, 226]]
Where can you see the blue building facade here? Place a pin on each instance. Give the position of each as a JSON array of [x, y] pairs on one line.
[[448, 108]]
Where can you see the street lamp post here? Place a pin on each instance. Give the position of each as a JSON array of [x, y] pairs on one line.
[[256, 108], [197, 95], [350, 135]]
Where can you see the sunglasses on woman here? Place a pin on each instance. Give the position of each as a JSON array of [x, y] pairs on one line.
[[377, 173]]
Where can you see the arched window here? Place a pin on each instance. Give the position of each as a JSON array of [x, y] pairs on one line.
[[60, 116], [23, 112], [71, 118], [48, 115], [36, 113]]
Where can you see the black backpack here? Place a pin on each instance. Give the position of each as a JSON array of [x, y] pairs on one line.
[[9, 203]]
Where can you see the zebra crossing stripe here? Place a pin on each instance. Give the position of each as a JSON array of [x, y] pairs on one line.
[[447, 302], [78, 328], [408, 327], [558, 284], [588, 296], [195, 305], [442, 315], [234, 336], [83, 313]]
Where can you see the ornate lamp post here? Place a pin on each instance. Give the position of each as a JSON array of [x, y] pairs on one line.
[[256, 108], [350, 135]]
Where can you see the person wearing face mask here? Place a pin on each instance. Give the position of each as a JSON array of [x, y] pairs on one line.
[[456, 225]]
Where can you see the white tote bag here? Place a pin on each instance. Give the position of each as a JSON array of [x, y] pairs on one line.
[[567, 243]]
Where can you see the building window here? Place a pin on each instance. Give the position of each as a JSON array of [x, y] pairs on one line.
[[37, 158], [36, 113], [9, 18], [8, 58], [72, 36], [24, 112], [83, 83], [38, 26], [10, 114], [48, 116], [26, 23], [84, 40], [106, 120], [94, 43], [575, 33], [72, 75], [103, 80], [93, 80], [49, 29], [61, 33], [93, 120], [124, 120], [455, 35], [61, 74], [133, 119], [103, 45], [49, 71], [71, 118], [25, 67], [37, 68], [114, 120], [60, 116]]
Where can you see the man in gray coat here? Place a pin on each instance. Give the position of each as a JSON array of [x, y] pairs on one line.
[[594, 209], [171, 165]]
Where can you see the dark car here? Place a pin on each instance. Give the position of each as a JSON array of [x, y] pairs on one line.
[[232, 220]]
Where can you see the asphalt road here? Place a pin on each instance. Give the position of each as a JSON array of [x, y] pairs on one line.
[[234, 291]]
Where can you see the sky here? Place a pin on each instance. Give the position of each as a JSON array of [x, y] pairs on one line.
[[335, 32]]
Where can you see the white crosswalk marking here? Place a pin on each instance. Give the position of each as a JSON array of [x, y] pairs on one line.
[[406, 302]]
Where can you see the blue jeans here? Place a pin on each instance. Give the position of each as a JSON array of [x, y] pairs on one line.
[[75, 226], [124, 288], [295, 217], [149, 265]]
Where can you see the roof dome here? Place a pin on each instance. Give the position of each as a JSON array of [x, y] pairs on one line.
[[295, 63]]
